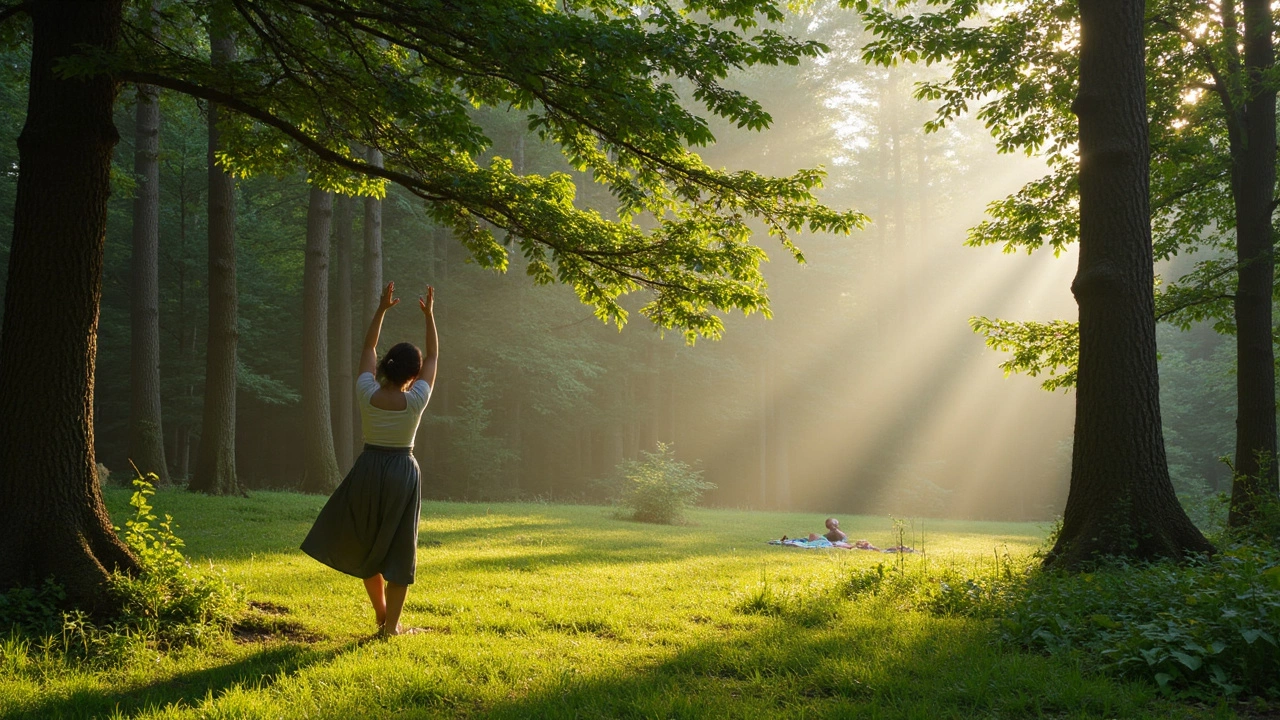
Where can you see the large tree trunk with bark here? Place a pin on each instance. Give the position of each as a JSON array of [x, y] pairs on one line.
[[146, 432], [342, 395], [1121, 501], [320, 467], [52, 521], [215, 471], [1253, 183]]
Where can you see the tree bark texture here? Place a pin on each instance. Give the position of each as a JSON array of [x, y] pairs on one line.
[[146, 431], [372, 247], [1121, 501], [320, 466], [342, 393], [1253, 183], [215, 471], [52, 520]]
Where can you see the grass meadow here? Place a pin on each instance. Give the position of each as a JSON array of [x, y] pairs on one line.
[[556, 611]]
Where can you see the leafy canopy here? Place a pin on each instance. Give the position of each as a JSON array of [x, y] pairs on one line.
[[1016, 63], [315, 81]]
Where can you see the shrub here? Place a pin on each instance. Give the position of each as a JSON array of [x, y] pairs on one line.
[[33, 611], [169, 601], [1263, 527], [1209, 627], [659, 488], [1202, 628]]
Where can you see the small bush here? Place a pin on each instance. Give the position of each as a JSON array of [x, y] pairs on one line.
[[169, 600], [660, 488]]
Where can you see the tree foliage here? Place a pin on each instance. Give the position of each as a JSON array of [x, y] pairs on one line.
[[1037, 347], [606, 82], [1017, 64]]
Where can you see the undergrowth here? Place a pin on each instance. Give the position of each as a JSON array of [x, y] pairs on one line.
[[168, 603], [1205, 629]]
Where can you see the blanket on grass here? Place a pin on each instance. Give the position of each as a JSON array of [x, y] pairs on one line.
[[822, 542]]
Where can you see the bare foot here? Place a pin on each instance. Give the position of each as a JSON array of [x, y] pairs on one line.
[[400, 630]]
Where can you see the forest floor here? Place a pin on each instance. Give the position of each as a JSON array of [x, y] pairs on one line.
[[556, 611]]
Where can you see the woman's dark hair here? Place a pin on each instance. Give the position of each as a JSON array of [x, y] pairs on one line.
[[401, 364]]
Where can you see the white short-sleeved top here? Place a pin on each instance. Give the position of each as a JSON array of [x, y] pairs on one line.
[[390, 428]]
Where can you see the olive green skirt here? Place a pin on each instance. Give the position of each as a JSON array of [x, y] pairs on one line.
[[370, 524]]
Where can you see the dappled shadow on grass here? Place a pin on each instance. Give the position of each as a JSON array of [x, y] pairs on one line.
[[260, 669], [880, 669]]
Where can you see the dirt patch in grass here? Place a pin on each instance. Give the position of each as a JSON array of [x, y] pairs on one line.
[[266, 622]]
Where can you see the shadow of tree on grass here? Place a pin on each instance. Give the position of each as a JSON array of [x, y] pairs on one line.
[[891, 669]]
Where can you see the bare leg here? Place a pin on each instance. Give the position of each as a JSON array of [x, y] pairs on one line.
[[395, 595], [373, 586]]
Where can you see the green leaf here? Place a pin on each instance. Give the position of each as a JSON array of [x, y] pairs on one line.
[[1192, 662]]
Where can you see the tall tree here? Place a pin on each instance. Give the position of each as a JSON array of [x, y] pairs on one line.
[[342, 399], [215, 470], [1121, 500], [53, 518], [324, 76], [1252, 131], [146, 431], [1211, 117], [320, 466]]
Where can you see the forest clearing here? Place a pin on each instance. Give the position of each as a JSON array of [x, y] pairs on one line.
[[559, 611], [634, 359]]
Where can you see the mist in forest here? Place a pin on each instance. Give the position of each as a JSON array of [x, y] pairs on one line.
[[866, 392]]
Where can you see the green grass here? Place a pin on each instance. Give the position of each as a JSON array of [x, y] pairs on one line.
[[551, 611]]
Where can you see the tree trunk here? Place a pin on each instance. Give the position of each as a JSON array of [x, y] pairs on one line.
[[372, 247], [215, 471], [146, 432], [778, 432], [52, 520], [320, 467], [1121, 501], [1253, 184], [342, 393], [763, 440], [655, 393], [517, 442], [183, 460]]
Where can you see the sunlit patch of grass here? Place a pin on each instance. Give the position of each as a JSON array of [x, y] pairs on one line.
[[539, 610]]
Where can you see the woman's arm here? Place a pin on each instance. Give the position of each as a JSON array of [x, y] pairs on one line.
[[431, 349], [369, 355]]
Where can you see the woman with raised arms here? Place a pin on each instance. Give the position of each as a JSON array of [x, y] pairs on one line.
[[369, 526]]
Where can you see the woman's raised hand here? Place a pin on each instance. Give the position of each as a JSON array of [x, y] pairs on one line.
[[427, 304], [387, 302]]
